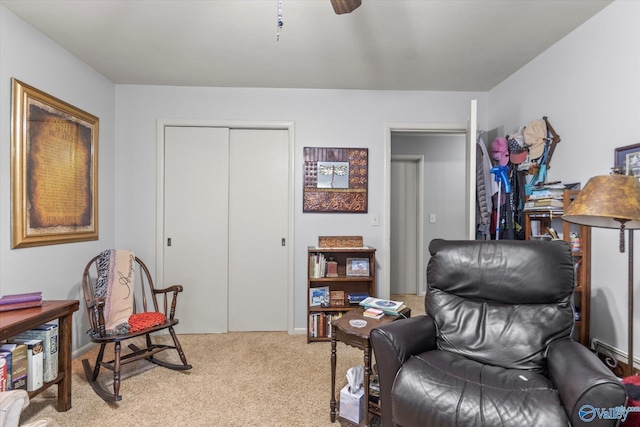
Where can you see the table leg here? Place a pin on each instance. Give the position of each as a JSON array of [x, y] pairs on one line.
[[64, 363], [333, 378], [367, 375]]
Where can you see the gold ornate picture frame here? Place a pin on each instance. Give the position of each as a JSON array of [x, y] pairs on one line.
[[54, 170], [335, 180]]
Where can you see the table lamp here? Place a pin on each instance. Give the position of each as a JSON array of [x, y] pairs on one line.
[[611, 201]]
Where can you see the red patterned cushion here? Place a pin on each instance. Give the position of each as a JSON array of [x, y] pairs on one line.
[[140, 321], [632, 384]]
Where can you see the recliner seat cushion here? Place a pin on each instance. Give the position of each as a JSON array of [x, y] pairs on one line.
[[456, 391]]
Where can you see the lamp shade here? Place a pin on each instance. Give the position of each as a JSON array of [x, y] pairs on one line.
[[607, 201]]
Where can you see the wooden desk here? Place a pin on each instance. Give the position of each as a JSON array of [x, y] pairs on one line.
[[359, 338], [16, 321]]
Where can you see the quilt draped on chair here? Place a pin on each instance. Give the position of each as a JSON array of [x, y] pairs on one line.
[[115, 282]]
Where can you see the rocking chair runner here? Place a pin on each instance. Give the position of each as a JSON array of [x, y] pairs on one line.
[[162, 318]]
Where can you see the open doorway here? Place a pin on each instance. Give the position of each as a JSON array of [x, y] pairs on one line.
[[469, 130], [428, 201]]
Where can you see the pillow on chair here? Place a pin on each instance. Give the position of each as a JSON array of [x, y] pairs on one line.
[[140, 321]]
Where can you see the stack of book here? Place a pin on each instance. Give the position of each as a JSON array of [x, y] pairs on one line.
[[390, 307], [546, 198], [373, 313], [18, 301], [544, 205]]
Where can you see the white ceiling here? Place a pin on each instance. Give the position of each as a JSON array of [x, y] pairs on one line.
[[452, 45]]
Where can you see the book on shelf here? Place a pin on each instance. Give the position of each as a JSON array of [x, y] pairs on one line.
[[547, 203], [388, 306], [556, 203], [320, 324], [373, 313], [35, 362], [321, 267], [355, 298], [553, 209], [4, 372], [17, 366], [48, 333], [547, 193]]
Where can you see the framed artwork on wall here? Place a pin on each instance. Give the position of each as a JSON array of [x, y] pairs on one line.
[[335, 179], [54, 170], [627, 160]]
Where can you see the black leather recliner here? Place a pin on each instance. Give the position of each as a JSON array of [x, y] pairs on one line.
[[495, 347]]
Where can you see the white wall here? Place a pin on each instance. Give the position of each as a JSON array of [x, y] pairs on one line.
[[588, 85], [334, 118], [29, 56]]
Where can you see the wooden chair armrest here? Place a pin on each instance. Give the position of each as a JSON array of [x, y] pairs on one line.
[[169, 311], [173, 288], [97, 322], [96, 303]]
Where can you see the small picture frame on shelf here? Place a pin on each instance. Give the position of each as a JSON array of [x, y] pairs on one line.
[[318, 295], [357, 266], [627, 160]]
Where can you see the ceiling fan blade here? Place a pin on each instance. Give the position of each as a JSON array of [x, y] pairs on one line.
[[345, 6]]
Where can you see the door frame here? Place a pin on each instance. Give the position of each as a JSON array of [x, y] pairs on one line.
[[420, 273], [447, 128], [231, 124]]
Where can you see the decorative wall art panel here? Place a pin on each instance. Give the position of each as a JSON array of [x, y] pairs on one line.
[[335, 179]]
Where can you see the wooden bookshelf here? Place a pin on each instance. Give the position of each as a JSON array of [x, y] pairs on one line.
[[319, 317], [581, 258]]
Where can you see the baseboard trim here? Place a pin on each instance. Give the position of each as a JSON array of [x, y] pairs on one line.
[[609, 351], [82, 350]]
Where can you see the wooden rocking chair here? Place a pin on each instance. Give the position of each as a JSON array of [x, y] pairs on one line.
[[157, 318]]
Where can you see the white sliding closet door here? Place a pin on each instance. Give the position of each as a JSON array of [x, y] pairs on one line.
[[258, 221], [196, 218]]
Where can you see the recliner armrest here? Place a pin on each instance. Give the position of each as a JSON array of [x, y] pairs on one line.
[[583, 382], [393, 344]]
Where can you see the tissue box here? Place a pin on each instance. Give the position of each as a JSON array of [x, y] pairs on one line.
[[352, 406]]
